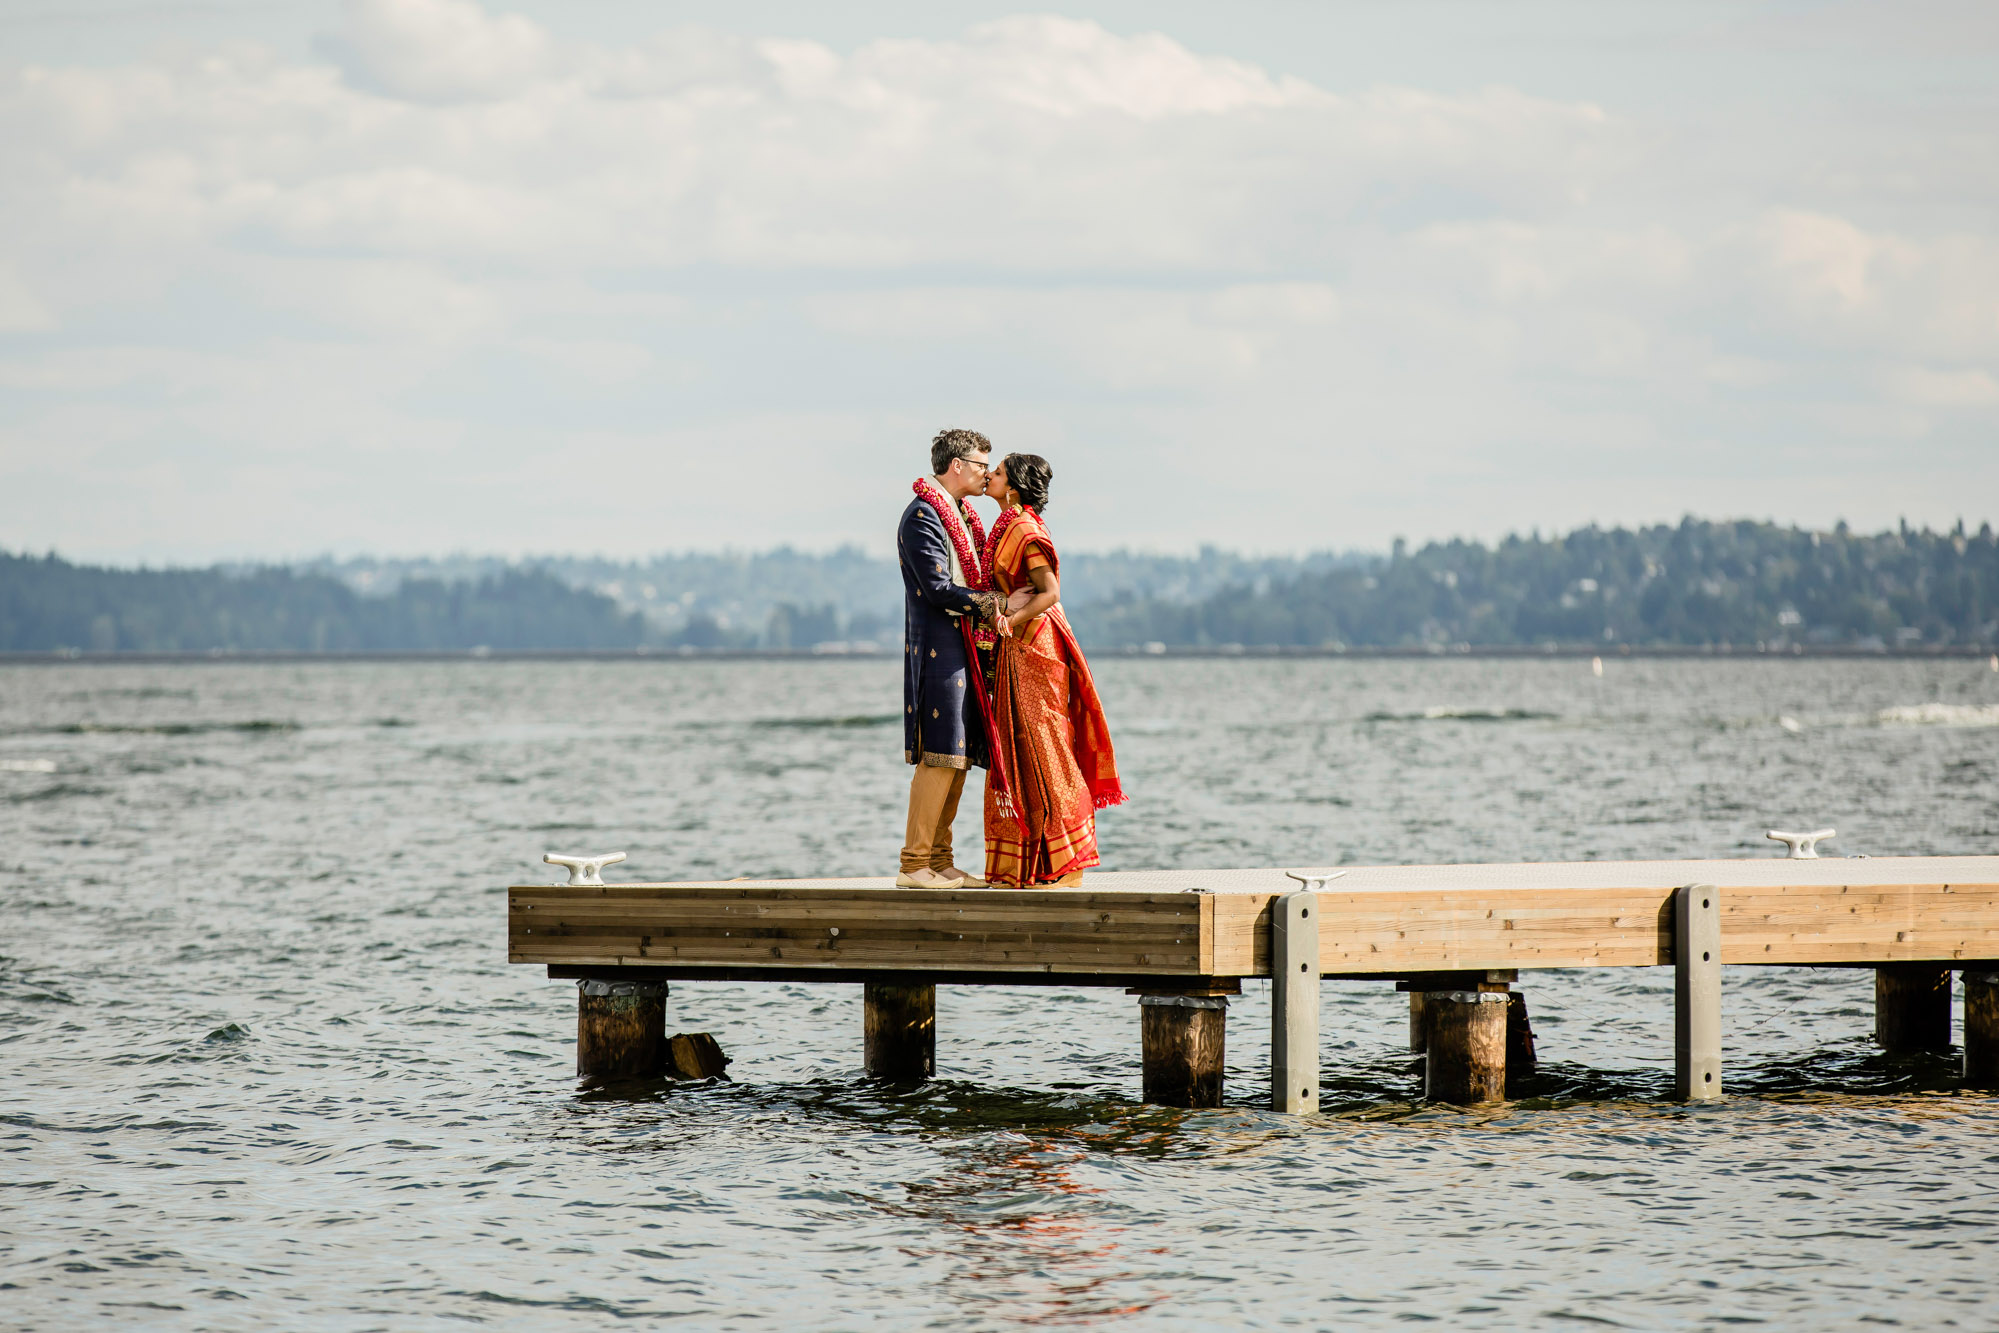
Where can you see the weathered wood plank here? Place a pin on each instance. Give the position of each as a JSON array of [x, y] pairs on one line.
[[1123, 907], [1055, 934], [1401, 929], [1242, 933], [1399, 921], [1875, 923], [847, 976], [1206, 907], [559, 921], [724, 926], [861, 955], [892, 899]]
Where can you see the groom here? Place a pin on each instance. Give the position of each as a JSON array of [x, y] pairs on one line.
[[940, 544]]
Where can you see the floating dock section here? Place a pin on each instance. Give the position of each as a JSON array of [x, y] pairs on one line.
[[1456, 937]]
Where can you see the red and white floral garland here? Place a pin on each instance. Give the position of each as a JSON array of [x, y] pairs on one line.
[[978, 573], [1000, 525]]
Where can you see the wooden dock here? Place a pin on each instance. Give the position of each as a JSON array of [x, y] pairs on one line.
[[1455, 936]]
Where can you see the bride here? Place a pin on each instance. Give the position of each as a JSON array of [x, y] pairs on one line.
[[1052, 764]]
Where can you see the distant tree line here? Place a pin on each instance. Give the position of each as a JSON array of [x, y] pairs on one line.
[[786, 599], [48, 604], [1692, 584]]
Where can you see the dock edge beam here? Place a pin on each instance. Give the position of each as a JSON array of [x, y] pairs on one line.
[[1294, 1002], [1697, 992]]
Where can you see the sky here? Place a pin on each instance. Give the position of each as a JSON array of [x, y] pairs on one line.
[[282, 278]]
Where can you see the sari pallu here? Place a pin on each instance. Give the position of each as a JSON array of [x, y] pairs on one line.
[[1052, 763]]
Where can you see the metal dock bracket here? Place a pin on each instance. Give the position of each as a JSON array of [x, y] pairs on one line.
[[1697, 993], [1294, 1000]]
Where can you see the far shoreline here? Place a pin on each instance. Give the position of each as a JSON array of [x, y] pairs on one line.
[[1149, 652]]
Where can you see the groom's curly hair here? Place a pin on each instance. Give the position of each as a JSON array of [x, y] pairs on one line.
[[954, 443]]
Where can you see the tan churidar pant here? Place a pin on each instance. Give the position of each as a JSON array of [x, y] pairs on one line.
[[933, 804]]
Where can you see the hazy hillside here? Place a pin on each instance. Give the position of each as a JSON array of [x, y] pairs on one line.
[[794, 599], [1691, 584], [1695, 583], [48, 604]]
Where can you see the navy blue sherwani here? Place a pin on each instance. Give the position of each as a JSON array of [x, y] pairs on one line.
[[941, 723]]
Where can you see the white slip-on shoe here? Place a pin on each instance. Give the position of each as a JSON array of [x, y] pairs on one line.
[[926, 878], [966, 878]]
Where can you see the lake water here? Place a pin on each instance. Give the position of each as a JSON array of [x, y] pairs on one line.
[[263, 1064]]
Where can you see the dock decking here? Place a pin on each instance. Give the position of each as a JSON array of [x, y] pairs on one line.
[[1440, 931]]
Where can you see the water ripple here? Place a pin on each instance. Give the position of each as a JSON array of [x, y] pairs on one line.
[[268, 1068]]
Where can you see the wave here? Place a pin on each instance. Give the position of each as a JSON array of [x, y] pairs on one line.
[[169, 728], [1940, 715], [56, 793], [1452, 713], [27, 765], [828, 723]]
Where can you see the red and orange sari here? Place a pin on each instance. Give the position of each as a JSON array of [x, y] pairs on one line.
[[1052, 764]]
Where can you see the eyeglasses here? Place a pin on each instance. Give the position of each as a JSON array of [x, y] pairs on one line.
[[973, 462]]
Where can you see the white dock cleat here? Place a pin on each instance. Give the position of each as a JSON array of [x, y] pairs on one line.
[[584, 869], [1804, 846]]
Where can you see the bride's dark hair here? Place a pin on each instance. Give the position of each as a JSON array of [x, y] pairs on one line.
[[1029, 474]]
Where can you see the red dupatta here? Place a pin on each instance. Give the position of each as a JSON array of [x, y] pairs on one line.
[[1090, 736]]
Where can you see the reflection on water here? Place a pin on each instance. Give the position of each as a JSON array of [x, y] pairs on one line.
[[1017, 1228], [266, 1066]]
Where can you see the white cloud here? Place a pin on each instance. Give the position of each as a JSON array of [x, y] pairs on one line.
[[461, 236], [1036, 143], [20, 310], [1829, 262], [1930, 387], [1066, 68], [439, 50]]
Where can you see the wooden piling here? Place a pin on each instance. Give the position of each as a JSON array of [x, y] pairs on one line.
[[695, 1055], [1465, 1033], [620, 1029], [1520, 1057], [1912, 1007], [1981, 1029], [1419, 984], [1182, 1037], [900, 1035]]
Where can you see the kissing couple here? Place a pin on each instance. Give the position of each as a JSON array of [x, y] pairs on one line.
[[992, 677]]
